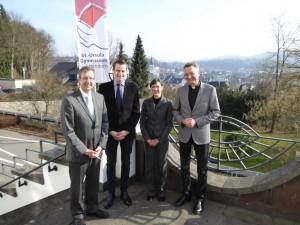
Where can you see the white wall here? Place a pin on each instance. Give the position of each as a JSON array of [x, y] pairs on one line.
[[103, 168], [55, 181]]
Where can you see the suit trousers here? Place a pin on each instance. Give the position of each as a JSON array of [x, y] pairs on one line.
[[201, 152], [111, 153], [84, 187], [156, 167]]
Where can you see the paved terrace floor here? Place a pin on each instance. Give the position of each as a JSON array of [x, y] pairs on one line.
[[158, 213]]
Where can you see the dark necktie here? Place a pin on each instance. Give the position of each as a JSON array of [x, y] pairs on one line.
[[119, 97]]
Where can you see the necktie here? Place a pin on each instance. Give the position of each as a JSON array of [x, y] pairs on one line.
[[119, 100], [90, 105]]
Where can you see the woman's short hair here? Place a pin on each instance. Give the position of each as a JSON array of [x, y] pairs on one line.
[[156, 80]]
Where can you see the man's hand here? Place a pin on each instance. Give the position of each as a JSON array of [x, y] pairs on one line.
[[97, 153], [119, 136], [189, 122], [153, 142]]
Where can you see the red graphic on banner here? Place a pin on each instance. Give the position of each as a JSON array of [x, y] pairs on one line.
[[89, 11]]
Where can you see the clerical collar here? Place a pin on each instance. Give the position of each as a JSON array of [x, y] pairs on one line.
[[195, 87]]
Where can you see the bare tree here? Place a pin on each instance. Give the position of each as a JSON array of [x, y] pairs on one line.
[[48, 87], [22, 47], [279, 78], [286, 43], [13, 31]]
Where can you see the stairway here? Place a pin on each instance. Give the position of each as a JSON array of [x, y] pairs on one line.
[[23, 182]]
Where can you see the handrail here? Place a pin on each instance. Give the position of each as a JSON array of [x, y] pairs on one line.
[[39, 118], [258, 135], [31, 171], [251, 145]]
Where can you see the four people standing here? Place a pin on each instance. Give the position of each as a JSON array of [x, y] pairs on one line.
[[123, 109], [156, 124], [195, 106], [85, 127], [93, 122]]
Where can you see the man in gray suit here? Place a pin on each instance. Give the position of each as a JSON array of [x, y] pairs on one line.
[[85, 127], [196, 105], [156, 124]]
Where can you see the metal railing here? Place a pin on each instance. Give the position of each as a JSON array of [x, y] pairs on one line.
[[235, 147], [18, 179], [38, 166]]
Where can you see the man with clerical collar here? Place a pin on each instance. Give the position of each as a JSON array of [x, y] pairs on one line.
[[195, 106]]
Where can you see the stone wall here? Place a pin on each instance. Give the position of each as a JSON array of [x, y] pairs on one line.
[[27, 107]]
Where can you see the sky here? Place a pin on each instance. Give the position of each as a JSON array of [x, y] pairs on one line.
[[171, 30]]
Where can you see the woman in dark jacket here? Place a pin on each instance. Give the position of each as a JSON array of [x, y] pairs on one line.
[[156, 124]]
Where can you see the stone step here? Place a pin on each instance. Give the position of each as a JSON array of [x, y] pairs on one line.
[[54, 153], [9, 189], [35, 176]]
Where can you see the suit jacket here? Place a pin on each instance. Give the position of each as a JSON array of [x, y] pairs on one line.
[[80, 130], [205, 110], [129, 117], [156, 122]]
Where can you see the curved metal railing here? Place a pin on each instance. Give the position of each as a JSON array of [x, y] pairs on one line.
[[236, 147]]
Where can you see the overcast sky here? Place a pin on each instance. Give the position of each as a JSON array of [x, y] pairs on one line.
[[171, 30]]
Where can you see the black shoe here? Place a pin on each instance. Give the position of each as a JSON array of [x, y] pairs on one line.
[[182, 199], [78, 222], [99, 214], [125, 198], [110, 201], [199, 206], [150, 198], [161, 196]]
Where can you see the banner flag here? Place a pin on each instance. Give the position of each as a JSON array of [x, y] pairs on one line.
[[92, 37]]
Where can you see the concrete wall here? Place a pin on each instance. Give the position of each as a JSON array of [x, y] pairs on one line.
[[7, 83], [27, 107]]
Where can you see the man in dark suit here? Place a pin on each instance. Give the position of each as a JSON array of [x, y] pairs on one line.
[[85, 127], [156, 124], [123, 109], [196, 105]]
